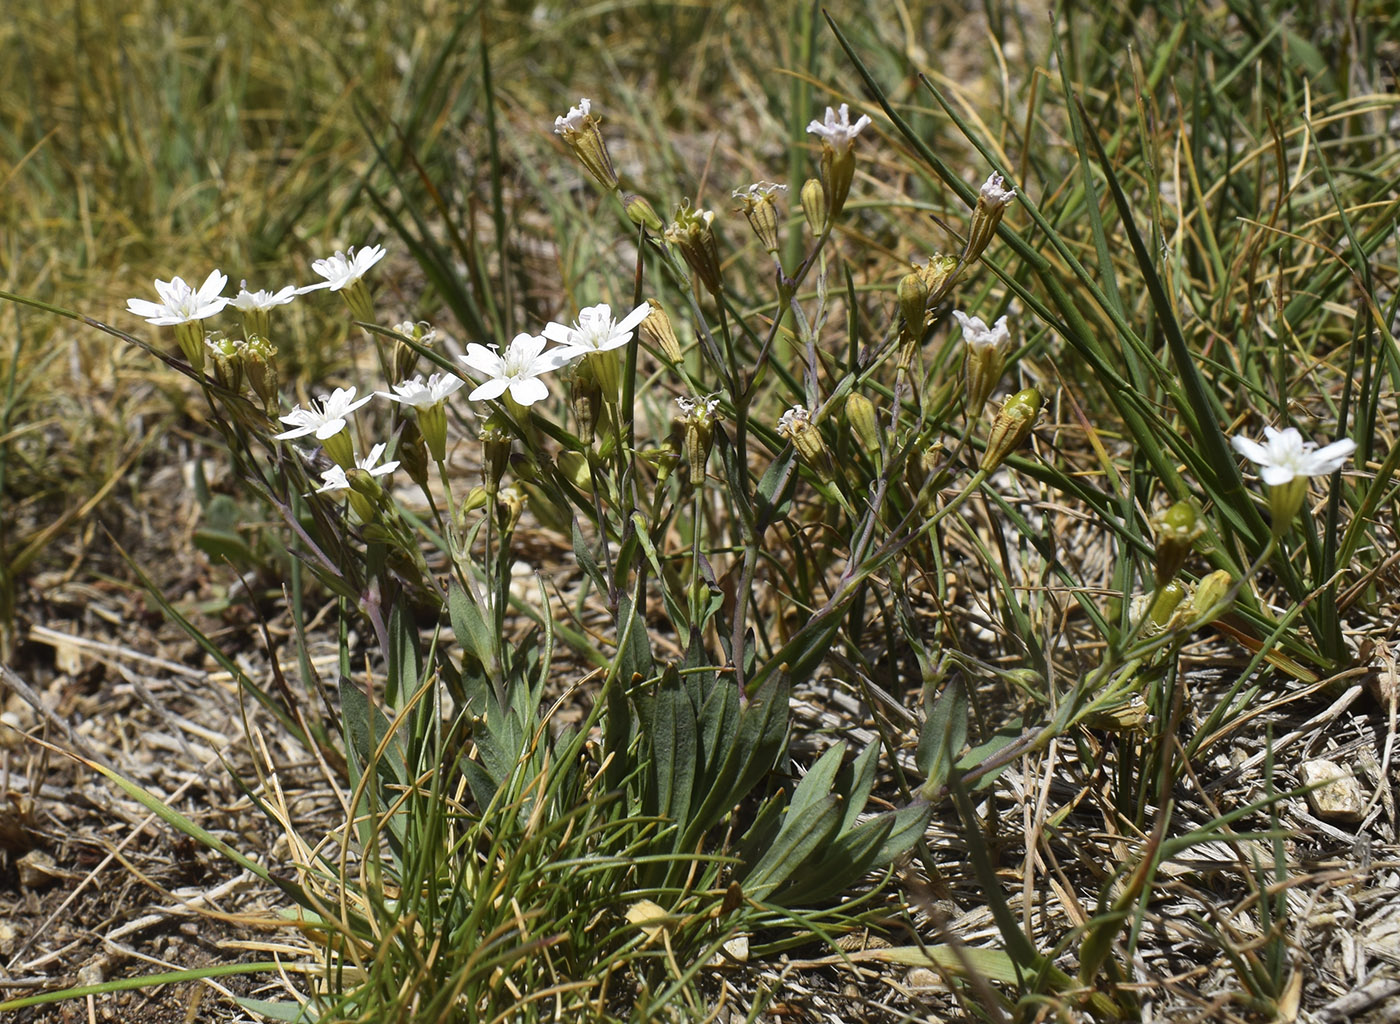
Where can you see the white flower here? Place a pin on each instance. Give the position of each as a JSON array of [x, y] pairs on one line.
[[995, 193], [703, 406], [247, 302], [575, 120], [336, 480], [326, 419], [794, 420], [837, 130], [181, 304], [758, 191], [419, 395], [517, 370], [344, 268], [978, 336], [1285, 455], [595, 330]]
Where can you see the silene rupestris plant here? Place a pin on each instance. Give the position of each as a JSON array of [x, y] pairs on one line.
[[586, 804]]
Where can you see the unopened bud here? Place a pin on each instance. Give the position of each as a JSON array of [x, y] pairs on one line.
[[226, 355], [860, 414], [1165, 604], [574, 466], [796, 425], [1177, 529], [413, 454], [940, 274], [477, 497], [641, 212], [657, 327], [693, 234], [580, 131], [406, 356], [813, 198], [991, 204], [512, 502], [762, 212], [1210, 593], [913, 306], [699, 422], [495, 454], [586, 396], [1011, 427]]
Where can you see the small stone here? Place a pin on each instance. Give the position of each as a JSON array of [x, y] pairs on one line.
[[1337, 794], [93, 973], [36, 870], [922, 977], [738, 948], [8, 935]]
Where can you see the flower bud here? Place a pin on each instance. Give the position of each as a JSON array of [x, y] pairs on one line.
[[574, 466], [580, 132], [413, 454], [226, 355], [477, 497], [762, 212], [813, 198], [260, 365], [495, 456], [699, 422], [586, 396], [511, 501], [406, 356], [692, 233], [940, 273], [1210, 592], [1011, 427], [913, 306], [1177, 529], [991, 204], [641, 212], [796, 425], [657, 327], [860, 414], [1164, 606]]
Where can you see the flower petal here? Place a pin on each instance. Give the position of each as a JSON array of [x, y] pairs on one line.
[[528, 390], [493, 388]]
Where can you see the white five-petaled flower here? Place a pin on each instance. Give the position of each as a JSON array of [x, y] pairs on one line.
[[181, 304], [336, 480], [344, 268], [994, 191], [595, 330], [325, 418], [247, 302], [420, 395], [516, 370], [979, 336], [574, 120], [1285, 455], [836, 130]]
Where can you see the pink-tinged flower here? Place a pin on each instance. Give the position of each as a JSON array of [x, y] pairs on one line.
[[325, 418], [344, 268], [181, 304], [1285, 455], [595, 330], [836, 130], [994, 191], [516, 370], [335, 478]]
